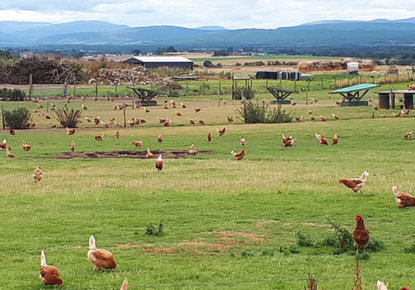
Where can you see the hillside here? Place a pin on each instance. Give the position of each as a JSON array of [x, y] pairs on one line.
[[317, 34]]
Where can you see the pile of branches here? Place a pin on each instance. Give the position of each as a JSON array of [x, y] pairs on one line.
[[129, 77], [43, 69]]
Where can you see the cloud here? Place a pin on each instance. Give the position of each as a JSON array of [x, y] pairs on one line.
[[194, 13]]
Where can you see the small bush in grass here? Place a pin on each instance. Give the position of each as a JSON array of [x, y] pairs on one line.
[[410, 250], [345, 238], [152, 231], [263, 113], [246, 93], [304, 241], [17, 119], [68, 118]]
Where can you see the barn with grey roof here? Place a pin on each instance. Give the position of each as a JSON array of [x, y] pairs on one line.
[[161, 61]]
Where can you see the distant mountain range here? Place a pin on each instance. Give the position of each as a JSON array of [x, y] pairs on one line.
[[84, 34]]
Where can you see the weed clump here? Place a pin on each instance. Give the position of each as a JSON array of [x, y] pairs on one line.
[[68, 118], [262, 113], [312, 283], [303, 241], [410, 250], [342, 241], [152, 231]]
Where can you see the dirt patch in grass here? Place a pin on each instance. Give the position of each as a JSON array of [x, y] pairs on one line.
[[228, 236], [225, 241], [135, 154], [259, 224], [210, 246], [127, 246], [165, 251]]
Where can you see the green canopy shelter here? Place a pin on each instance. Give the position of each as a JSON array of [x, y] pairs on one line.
[[354, 94]]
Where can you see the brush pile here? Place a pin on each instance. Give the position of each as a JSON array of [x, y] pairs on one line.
[[129, 77], [43, 69]]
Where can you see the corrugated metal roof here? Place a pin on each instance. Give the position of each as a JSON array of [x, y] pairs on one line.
[[355, 88], [398, 92], [161, 59]]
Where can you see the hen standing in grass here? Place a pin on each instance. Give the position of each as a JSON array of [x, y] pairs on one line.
[[361, 233], [101, 258], [355, 184], [72, 146], [49, 274], [403, 199], [159, 163]]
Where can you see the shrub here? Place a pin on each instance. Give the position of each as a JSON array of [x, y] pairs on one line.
[[246, 93], [151, 230], [345, 238], [68, 118], [12, 95], [262, 113], [410, 250], [304, 241], [17, 119], [208, 63]]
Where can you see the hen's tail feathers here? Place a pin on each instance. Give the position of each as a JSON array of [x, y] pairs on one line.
[[92, 245], [395, 191], [43, 259]]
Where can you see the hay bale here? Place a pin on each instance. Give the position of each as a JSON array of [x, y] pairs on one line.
[[325, 66], [337, 65], [392, 70], [368, 65], [306, 66]]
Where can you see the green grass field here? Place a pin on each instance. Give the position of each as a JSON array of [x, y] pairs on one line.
[[228, 224]]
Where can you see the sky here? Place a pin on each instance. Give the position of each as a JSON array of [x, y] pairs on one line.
[[231, 14]]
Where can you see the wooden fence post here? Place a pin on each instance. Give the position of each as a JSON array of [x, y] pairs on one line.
[[30, 85], [125, 119], [65, 90], [220, 88], [2, 117]]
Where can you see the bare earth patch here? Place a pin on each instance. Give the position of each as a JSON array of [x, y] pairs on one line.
[[127, 246], [136, 154], [261, 223], [248, 238], [225, 241], [165, 251]]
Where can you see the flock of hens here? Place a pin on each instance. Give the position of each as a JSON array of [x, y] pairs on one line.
[[103, 259]]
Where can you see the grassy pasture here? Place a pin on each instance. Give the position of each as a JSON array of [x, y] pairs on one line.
[[208, 88], [226, 222]]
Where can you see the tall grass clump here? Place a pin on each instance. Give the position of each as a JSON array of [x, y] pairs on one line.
[[263, 113], [68, 118], [17, 119]]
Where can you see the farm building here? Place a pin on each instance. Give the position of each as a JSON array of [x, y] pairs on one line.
[[161, 61]]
